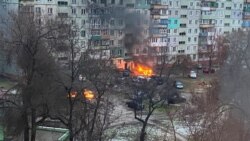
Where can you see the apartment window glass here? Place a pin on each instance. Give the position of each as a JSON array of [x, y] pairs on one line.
[[176, 12], [190, 22], [83, 33], [73, 1], [112, 1], [83, 11], [195, 39], [121, 2], [222, 5], [73, 11], [195, 31], [50, 11], [189, 30], [38, 9], [191, 3], [83, 22], [49, 0], [189, 39], [175, 30], [170, 3]]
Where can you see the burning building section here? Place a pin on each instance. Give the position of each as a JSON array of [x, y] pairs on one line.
[[145, 39]]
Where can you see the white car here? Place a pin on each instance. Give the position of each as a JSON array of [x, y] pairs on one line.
[[192, 74]]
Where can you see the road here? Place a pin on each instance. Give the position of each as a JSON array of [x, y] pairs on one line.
[[123, 115]]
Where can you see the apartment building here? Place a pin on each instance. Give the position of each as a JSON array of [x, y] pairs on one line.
[[188, 32], [218, 18], [246, 15], [158, 37], [6, 7]]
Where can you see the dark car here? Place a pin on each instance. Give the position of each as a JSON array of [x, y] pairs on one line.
[[207, 70], [175, 99], [178, 85], [158, 79], [199, 66], [126, 73], [133, 104]]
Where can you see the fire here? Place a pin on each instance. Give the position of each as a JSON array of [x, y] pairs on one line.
[[142, 70], [88, 94]]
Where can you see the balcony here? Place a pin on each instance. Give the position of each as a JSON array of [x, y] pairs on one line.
[[206, 25], [203, 34], [158, 6]]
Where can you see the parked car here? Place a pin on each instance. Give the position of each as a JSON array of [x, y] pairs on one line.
[[199, 66], [158, 79], [135, 105], [192, 74], [126, 73], [207, 70], [178, 85], [175, 99]]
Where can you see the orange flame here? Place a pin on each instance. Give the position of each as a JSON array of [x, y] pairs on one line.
[[142, 70], [88, 94]]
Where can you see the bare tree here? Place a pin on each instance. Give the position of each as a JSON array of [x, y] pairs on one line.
[[25, 43]]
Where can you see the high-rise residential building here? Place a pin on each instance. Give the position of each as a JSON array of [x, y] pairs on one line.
[[168, 28], [6, 8], [246, 15], [188, 31], [218, 18], [157, 42]]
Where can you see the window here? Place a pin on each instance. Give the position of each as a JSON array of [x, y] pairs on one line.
[[120, 22], [195, 31], [189, 39], [190, 13], [170, 4], [62, 3], [111, 42], [191, 3], [112, 22], [83, 11], [222, 5], [73, 11], [50, 11], [169, 12], [73, 1], [189, 30], [190, 22], [112, 32], [112, 1], [38, 9], [183, 16], [174, 49], [83, 33], [49, 0], [121, 2], [175, 22], [195, 39], [83, 22], [175, 30], [240, 5], [119, 42], [176, 12], [196, 21]]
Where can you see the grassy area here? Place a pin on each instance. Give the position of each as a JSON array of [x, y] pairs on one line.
[[5, 83]]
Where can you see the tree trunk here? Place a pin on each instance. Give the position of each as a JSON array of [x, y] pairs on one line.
[[143, 132], [26, 128], [33, 125]]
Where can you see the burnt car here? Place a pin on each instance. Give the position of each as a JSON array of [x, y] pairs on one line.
[[158, 79], [134, 104], [175, 98], [207, 70]]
